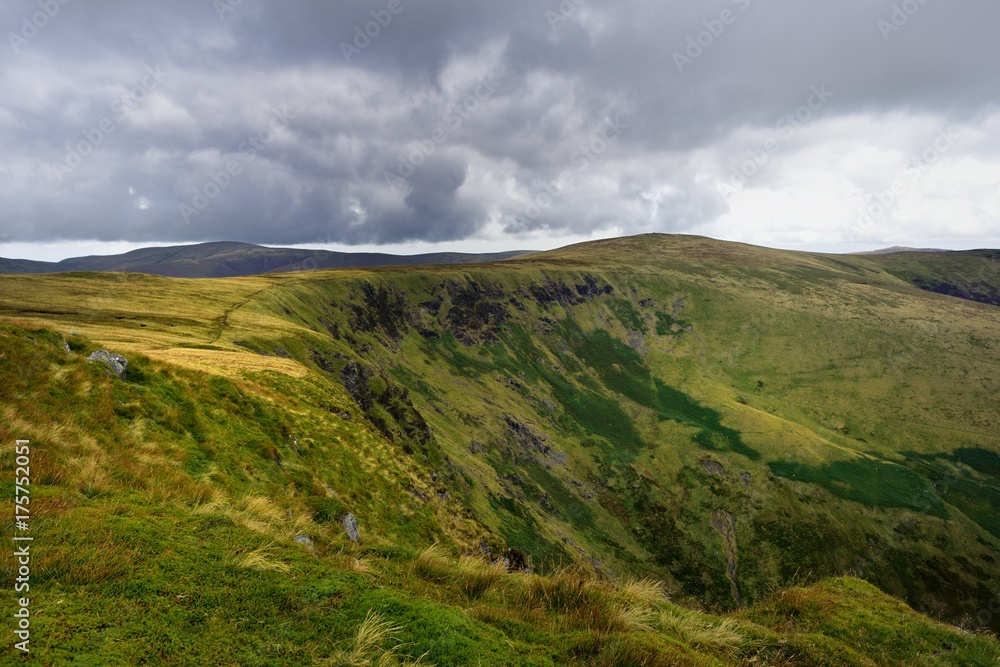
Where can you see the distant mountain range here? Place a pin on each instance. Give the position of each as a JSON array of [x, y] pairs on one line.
[[227, 260]]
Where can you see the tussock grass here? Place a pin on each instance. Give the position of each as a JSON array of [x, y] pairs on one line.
[[478, 577], [642, 591], [55, 434], [228, 364], [432, 564], [256, 513], [721, 636], [360, 565], [627, 617], [581, 600], [168, 486], [369, 647], [300, 524], [91, 474], [473, 576], [262, 559]]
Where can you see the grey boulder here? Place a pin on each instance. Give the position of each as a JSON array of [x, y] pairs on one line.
[[116, 362]]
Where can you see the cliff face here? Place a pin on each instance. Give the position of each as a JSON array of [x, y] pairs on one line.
[[578, 408]]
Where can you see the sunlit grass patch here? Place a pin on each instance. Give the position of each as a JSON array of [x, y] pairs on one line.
[[228, 364]]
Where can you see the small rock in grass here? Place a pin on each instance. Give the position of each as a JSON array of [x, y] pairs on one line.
[[350, 525], [714, 467]]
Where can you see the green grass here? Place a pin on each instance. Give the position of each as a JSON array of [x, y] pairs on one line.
[[510, 406], [869, 482], [627, 314], [623, 371]]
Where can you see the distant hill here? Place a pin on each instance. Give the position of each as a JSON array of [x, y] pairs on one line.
[[228, 260], [896, 248], [973, 275]]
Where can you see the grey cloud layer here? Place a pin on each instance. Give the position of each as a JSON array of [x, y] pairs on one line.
[[526, 152]]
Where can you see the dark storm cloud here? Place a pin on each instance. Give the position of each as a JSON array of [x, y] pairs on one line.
[[118, 115]]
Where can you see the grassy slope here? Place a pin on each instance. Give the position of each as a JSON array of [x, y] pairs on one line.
[[972, 274], [862, 409]]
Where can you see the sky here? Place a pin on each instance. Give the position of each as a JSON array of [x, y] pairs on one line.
[[421, 125]]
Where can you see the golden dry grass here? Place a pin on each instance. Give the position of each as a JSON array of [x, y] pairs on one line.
[[227, 364], [478, 577], [432, 563], [704, 632], [262, 559], [256, 513]]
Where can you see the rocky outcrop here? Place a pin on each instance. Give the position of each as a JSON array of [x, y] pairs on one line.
[[725, 524], [350, 525], [383, 310], [637, 342], [477, 313], [557, 291], [115, 362], [371, 389], [356, 383], [516, 561], [714, 467], [525, 436]]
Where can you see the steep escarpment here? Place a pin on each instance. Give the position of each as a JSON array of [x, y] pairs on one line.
[[572, 410]]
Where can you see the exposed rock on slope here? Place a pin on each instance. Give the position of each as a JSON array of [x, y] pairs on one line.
[[115, 362]]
